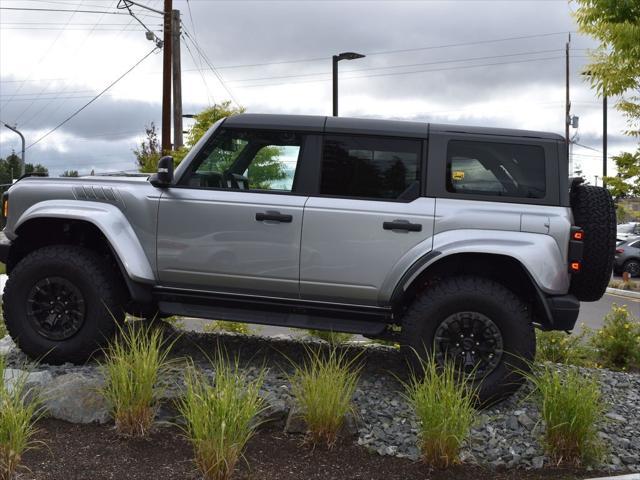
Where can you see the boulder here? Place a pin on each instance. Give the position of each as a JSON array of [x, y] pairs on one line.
[[76, 398]]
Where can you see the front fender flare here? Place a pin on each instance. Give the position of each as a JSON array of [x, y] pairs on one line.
[[110, 220]]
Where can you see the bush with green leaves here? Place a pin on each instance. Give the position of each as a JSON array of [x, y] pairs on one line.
[[323, 389], [19, 410], [331, 337], [618, 342], [226, 326], [571, 405], [561, 347], [134, 361], [444, 405], [221, 416]]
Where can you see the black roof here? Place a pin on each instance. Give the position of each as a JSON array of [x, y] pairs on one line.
[[370, 126]]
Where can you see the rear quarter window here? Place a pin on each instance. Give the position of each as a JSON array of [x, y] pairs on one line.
[[496, 169]]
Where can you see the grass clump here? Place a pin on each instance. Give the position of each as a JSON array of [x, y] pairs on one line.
[[17, 419], [618, 342], [221, 416], [3, 328], [225, 326], [625, 285], [331, 337], [134, 361], [323, 388], [444, 406], [570, 405], [560, 347]]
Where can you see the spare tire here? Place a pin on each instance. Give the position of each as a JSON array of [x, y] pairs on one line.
[[594, 212]]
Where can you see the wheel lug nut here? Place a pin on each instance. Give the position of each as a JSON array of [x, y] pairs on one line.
[[472, 352], [477, 344], [457, 344], [472, 335], [461, 336]]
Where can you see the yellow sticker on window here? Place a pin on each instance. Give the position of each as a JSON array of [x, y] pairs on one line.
[[457, 175]]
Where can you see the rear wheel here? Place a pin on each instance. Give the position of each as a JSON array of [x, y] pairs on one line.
[[481, 326], [62, 303], [632, 267]]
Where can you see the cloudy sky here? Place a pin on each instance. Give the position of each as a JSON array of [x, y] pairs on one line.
[[475, 62]]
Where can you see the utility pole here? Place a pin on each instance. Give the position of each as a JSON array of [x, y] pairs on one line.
[[14, 129], [177, 81], [604, 138], [567, 101], [166, 78]]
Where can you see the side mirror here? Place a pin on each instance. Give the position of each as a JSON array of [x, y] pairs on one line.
[[164, 177]]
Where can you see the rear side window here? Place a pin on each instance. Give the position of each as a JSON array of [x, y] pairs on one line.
[[496, 169], [371, 167]]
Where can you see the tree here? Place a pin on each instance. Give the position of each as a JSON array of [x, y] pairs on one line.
[[70, 173], [615, 71], [148, 153], [10, 168]]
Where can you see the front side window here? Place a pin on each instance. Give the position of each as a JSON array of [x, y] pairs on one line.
[[498, 169], [370, 167], [247, 160]]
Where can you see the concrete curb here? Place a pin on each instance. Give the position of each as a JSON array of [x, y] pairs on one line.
[[624, 293], [633, 476]]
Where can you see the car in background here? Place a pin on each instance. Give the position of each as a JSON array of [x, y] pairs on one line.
[[627, 258], [626, 230]]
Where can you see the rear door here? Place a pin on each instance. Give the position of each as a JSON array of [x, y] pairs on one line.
[[365, 218]]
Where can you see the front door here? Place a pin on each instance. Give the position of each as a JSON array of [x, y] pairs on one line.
[[234, 221]]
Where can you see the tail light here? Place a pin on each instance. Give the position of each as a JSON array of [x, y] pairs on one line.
[[576, 247], [619, 250]]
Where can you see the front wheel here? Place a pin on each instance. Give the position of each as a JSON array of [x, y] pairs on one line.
[[480, 325], [62, 304]]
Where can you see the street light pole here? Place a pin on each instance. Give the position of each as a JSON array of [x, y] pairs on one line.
[[336, 59], [21, 138]]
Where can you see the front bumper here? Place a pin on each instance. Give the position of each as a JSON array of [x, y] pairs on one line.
[[5, 246]]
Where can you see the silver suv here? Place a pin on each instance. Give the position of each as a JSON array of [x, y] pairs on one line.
[[451, 240]]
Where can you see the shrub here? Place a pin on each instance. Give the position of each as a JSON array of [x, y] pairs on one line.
[[331, 337], [17, 419], [134, 361], [225, 326], [444, 406], [3, 328], [560, 347], [618, 341], [571, 406], [323, 388], [220, 416]]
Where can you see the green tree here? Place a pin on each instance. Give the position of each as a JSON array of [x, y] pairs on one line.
[[615, 71], [70, 173], [148, 153], [37, 168], [10, 168], [264, 170]]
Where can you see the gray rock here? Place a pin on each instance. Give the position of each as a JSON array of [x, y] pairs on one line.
[[76, 398], [295, 423], [512, 422], [526, 421], [616, 417], [6, 346], [537, 462], [33, 382]]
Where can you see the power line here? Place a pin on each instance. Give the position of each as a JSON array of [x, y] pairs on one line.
[[60, 10], [204, 79], [406, 65], [93, 99], [462, 67], [211, 67]]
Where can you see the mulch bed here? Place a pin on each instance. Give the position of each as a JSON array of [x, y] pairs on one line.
[[97, 452]]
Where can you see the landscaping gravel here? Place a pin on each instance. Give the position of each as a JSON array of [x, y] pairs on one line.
[[507, 434]]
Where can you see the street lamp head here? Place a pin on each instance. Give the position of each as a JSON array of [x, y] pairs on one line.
[[349, 56]]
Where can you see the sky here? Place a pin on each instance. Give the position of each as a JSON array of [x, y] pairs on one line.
[[470, 62]]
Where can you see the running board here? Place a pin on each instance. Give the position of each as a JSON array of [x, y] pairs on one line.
[[369, 321]]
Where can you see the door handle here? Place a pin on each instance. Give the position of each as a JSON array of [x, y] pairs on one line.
[[273, 217], [402, 225]]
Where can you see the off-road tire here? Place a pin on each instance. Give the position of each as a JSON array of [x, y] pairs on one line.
[[99, 284], [594, 212], [474, 294]]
